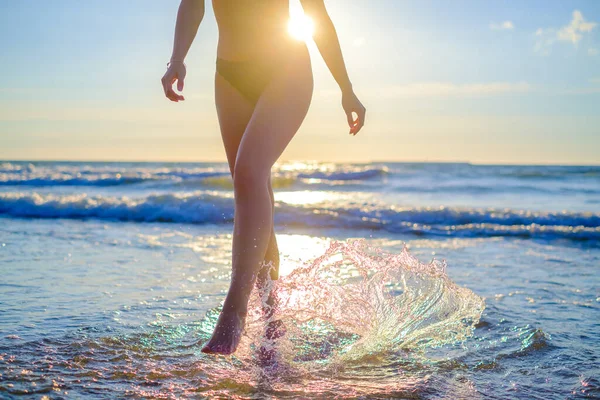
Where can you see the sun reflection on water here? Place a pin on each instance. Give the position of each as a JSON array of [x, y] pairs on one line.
[[296, 249], [304, 197]]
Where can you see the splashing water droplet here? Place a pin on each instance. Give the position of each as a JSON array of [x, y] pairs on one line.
[[355, 303]]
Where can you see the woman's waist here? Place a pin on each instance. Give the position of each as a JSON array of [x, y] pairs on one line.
[[296, 53], [265, 45]]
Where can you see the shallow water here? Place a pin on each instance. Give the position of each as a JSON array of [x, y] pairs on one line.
[[95, 307]]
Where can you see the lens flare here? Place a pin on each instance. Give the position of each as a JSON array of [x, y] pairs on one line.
[[301, 27]]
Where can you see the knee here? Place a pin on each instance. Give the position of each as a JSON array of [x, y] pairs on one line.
[[248, 178]]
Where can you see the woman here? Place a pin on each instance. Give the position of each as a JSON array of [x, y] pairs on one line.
[[263, 88]]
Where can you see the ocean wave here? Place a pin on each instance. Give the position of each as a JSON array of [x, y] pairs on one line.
[[68, 180], [217, 207], [278, 181], [347, 173], [551, 172], [185, 208], [87, 178], [210, 176]]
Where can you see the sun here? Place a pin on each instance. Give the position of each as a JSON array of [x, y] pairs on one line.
[[301, 27]]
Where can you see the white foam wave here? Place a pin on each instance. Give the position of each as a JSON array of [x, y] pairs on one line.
[[218, 207]]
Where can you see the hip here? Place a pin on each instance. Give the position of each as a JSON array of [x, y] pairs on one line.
[[251, 75]]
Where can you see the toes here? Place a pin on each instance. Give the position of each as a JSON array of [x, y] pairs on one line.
[[210, 347], [218, 348], [207, 349]]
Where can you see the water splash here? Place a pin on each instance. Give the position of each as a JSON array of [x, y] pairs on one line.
[[356, 303]]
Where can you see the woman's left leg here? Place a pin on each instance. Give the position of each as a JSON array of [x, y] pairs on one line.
[[276, 119], [272, 255]]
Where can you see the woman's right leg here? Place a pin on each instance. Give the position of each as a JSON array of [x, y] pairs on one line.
[[275, 120], [234, 112]]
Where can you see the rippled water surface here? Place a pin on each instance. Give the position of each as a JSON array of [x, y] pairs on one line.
[[112, 276]]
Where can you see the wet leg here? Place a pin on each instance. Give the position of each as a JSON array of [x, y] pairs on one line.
[[274, 122]]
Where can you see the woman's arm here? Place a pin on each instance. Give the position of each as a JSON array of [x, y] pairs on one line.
[[327, 41], [189, 16]]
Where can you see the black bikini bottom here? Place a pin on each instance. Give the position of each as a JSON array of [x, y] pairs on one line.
[[249, 77]]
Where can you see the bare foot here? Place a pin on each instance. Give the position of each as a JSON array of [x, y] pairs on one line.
[[227, 333]]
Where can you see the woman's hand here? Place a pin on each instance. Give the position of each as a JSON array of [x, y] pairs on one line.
[[352, 106], [175, 72]]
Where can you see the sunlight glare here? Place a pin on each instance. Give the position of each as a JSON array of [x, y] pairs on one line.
[[301, 27], [296, 250], [305, 197]]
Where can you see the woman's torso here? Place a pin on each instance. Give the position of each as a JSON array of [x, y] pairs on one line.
[[251, 28]]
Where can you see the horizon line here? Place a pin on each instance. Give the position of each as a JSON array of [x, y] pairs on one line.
[[310, 161]]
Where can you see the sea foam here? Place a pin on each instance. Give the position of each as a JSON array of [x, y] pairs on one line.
[[218, 207]]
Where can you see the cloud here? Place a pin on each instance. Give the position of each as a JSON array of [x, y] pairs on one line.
[[545, 38], [593, 52], [506, 25], [448, 89], [572, 33]]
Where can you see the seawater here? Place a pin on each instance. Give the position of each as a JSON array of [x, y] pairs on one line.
[[398, 281]]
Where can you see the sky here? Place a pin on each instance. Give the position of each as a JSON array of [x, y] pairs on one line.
[[494, 82]]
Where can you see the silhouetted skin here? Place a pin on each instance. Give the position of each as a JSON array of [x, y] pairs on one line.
[[255, 135]]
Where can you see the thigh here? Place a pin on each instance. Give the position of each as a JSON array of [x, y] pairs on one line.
[[277, 116], [234, 111]]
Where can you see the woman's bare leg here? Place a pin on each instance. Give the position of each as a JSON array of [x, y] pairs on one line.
[[272, 254], [274, 122], [234, 113]]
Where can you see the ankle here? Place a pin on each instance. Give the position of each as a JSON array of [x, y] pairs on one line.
[[232, 308]]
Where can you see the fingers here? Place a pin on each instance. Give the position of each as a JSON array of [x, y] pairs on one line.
[[167, 83], [350, 118], [357, 124], [168, 89], [353, 122], [360, 120], [172, 94], [180, 79], [163, 81]]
